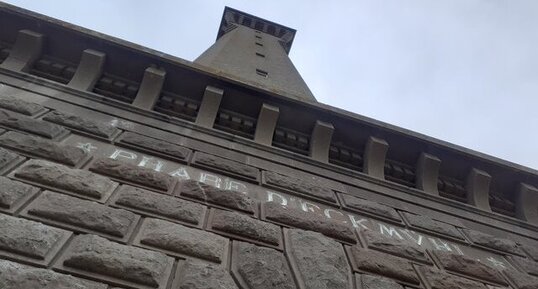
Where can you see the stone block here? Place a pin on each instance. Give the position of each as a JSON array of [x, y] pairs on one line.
[[34, 126], [72, 181], [367, 281], [83, 124], [295, 185], [370, 208], [468, 266], [42, 148], [155, 145], [260, 268], [528, 265], [319, 262], [225, 166], [242, 226], [522, 280], [82, 215], [431, 225], [193, 274], [532, 251], [95, 257], [133, 173], [163, 206], [18, 105], [442, 280], [182, 241], [6, 157], [14, 193], [29, 241], [394, 245], [493, 242], [307, 221]]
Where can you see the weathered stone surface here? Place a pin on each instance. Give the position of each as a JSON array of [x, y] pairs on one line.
[[383, 264], [6, 157], [81, 213], [261, 268], [78, 181], [378, 282], [532, 251], [12, 191], [35, 126], [200, 275], [299, 186], [430, 224], [245, 226], [133, 173], [80, 123], [321, 262], [493, 242], [212, 162], [226, 198], [43, 148], [18, 105], [17, 276], [159, 204], [468, 266], [442, 280], [156, 145], [522, 280], [28, 238], [366, 206], [182, 240], [308, 221], [528, 265], [93, 254], [394, 245]]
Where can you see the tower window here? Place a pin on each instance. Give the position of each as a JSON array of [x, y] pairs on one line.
[[260, 55], [259, 44], [261, 72], [257, 31], [258, 37]]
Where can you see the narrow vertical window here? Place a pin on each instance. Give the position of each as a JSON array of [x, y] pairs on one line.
[[261, 72]]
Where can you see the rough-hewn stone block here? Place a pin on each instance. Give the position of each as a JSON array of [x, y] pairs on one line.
[[245, 226], [225, 198], [320, 262], [17, 276], [13, 192], [383, 264], [394, 245], [299, 186], [160, 205], [133, 173], [377, 282], [370, 207], [35, 126], [260, 267], [92, 255], [180, 240], [200, 275], [212, 162], [6, 157], [42, 148], [155, 145], [427, 223], [81, 214], [493, 242], [468, 266], [442, 280], [308, 221], [28, 240], [80, 123], [522, 280], [57, 176], [532, 251], [527, 264], [18, 105]]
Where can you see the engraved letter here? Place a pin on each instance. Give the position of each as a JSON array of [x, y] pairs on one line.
[[150, 162], [123, 154], [181, 173], [390, 232], [210, 179], [271, 198], [356, 223]]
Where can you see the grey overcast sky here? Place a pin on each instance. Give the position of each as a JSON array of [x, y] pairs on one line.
[[464, 71]]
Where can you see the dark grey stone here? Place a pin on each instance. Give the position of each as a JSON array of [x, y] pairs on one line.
[[80, 123], [6, 157], [468, 266], [28, 238], [17, 276], [182, 240], [394, 245], [383, 264], [93, 254], [43, 148], [532, 251], [201, 275], [522, 280], [442, 280], [299, 186], [35, 126], [133, 173], [12, 191], [210, 194], [246, 226], [370, 207], [18, 105], [155, 145], [159, 204], [74, 180], [261, 268], [212, 162], [378, 282], [528, 265], [321, 262], [430, 224], [493, 242], [308, 221], [82, 213]]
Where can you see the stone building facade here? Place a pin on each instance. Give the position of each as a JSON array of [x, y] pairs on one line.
[[122, 167]]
